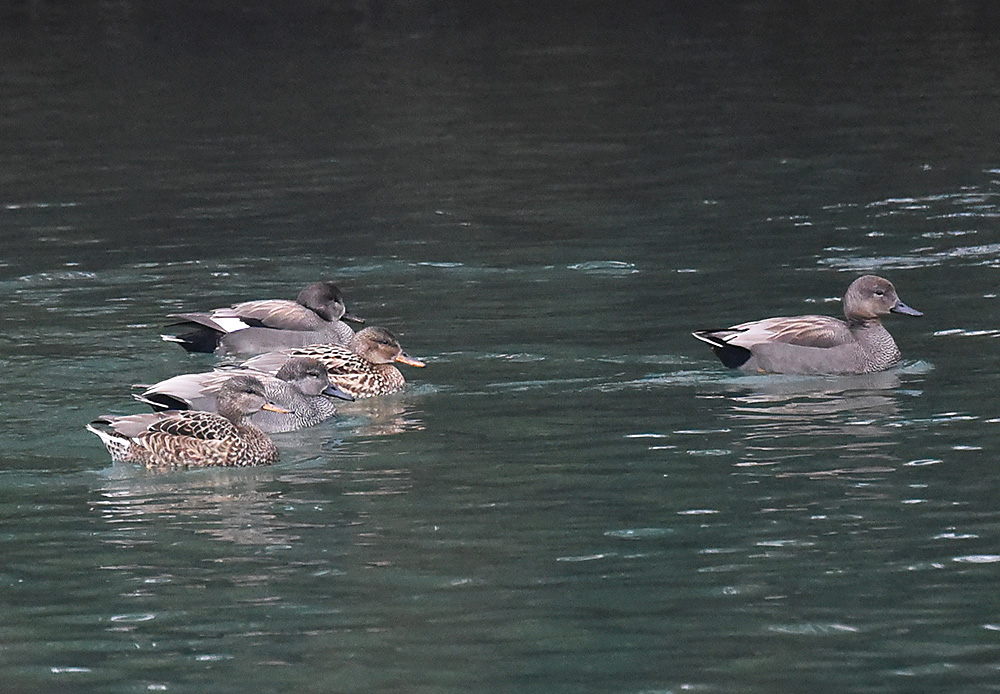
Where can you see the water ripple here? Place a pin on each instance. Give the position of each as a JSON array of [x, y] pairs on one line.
[[812, 629], [585, 557], [964, 332], [606, 267], [59, 276], [988, 254], [639, 533], [978, 559], [129, 618]]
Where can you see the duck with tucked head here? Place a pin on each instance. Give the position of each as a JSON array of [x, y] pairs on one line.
[[255, 327], [818, 344], [364, 369], [301, 386], [192, 438]]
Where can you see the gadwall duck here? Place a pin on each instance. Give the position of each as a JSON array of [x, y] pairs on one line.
[[364, 368], [255, 327], [192, 438], [818, 344], [300, 386]]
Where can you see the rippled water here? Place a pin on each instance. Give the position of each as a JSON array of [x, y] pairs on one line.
[[542, 202]]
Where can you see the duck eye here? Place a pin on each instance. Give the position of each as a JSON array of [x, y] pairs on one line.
[[879, 292]]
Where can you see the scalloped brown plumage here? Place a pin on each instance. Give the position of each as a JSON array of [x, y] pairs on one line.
[[193, 438]]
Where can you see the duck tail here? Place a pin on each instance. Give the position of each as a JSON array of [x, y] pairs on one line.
[[118, 446], [199, 339], [732, 356]]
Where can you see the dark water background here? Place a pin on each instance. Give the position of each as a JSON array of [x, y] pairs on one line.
[[542, 199]]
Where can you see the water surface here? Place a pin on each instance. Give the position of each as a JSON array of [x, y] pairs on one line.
[[542, 202]]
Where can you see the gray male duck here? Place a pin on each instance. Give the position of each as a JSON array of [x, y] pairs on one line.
[[265, 325], [818, 344], [301, 387]]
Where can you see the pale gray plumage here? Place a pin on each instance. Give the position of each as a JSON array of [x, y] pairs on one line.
[[818, 344], [300, 386], [255, 327]]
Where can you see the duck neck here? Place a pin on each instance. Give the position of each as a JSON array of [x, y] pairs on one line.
[[863, 323], [234, 415], [250, 431], [876, 344]]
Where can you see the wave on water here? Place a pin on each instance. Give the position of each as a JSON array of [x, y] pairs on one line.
[[57, 276], [606, 267], [953, 216], [966, 332]]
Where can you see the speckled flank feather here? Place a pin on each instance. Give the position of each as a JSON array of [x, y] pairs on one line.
[[380, 379], [187, 439], [248, 447]]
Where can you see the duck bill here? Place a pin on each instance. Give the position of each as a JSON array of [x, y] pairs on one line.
[[351, 317], [271, 407], [336, 392], [900, 307], [404, 358]]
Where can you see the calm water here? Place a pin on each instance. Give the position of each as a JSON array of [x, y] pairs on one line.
[[543, 202]]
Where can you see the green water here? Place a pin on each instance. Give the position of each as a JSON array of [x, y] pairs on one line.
[[542, 202]]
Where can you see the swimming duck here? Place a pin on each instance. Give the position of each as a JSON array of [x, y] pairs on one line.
[[300, 386], [255, 327], [192, 438], [818, 344], [364, 368]]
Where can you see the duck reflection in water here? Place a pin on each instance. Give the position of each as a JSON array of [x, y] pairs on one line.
[[845, 417], [236, 505]]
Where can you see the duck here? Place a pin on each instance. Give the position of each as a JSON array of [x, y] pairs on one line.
[[194, 438], [300, 386], [363, 369], [318, 314], [814, 344]]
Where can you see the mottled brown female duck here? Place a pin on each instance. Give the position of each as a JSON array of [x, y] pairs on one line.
[[193, 438], [301, 386], [255, 327], [818, 344], [364, 369]]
